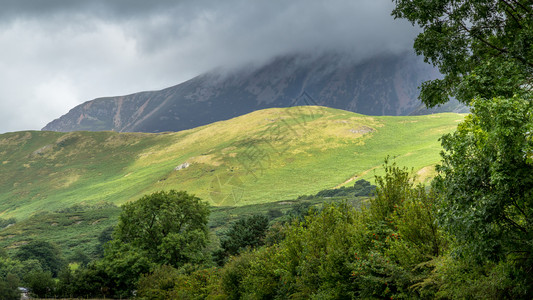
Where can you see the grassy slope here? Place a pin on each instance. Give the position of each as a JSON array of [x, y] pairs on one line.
[[265, 156], [78, 228], [71, 230]]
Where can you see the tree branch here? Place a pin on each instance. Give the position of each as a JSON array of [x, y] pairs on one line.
[[501, 50], [519, 209], [522, 6], [509, 5], [513, 223], [512, 13]]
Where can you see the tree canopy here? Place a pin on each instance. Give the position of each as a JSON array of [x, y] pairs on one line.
[[483, 47], [48, 255], [486, 179], [170, 226]]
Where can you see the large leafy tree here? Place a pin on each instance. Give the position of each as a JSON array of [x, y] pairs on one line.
[[483, 47], [48, 255], [486, 179], [163, 228], [485, 51], [171, 227]]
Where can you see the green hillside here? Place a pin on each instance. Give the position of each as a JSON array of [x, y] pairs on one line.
[[78, 228], [265, 156]]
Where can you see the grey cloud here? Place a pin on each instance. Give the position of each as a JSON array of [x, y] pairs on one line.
[[58, 53], [104, 8]]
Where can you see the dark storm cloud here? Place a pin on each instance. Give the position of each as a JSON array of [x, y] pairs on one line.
[[56, 54]]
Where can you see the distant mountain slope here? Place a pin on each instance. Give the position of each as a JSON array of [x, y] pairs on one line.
[[268, 155], [379, 86]]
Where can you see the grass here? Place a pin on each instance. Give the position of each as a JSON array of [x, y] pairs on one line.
[[75, 228], [266, 156]]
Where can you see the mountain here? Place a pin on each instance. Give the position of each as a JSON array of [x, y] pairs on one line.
[[385, 85], [265, 156]]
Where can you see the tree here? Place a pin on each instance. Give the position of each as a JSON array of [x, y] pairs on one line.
[[246, 232], [363, 188], [400, 238], [65, 284], [162, 228], [486, 181], [171, 227], [122, 265], [166, 282], [158, 284], [90, 281], [104, 237], [80, 257], [41, 284], [484, 48], [9, 287], [360, 188], [45, 252], [9, 266], [300, 210]]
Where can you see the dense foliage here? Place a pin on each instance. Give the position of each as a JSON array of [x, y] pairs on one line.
[[340, 252], [171, 227], [46, 253], [391, 246], [9, 288], [491, 152], [486, 182], [161, 228], [248, 232]]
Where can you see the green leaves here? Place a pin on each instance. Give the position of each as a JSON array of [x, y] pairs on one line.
[[487, 181], [484, 48], [170, 226], [48, 255], [341, 252], [247, 233], [162, 228]]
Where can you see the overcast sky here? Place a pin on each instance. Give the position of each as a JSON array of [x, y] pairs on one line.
[[56, 54]]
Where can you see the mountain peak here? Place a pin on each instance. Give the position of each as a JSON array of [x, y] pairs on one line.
[[385, 85]]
